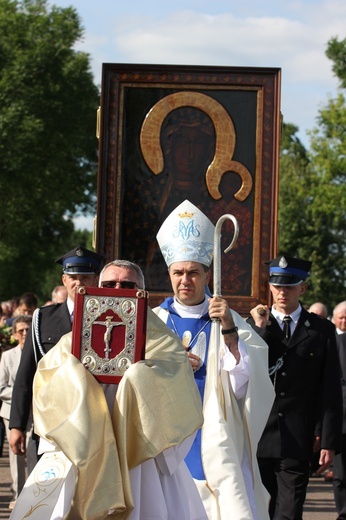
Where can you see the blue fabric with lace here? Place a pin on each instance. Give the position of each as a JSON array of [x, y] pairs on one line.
[[180, 325]]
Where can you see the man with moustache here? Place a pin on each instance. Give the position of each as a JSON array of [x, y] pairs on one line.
[[123, 446]]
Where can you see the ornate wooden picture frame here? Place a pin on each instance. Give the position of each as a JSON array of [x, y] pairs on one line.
[[109, 330], [207, 134]]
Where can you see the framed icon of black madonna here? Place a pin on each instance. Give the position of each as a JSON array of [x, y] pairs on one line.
[[211, 135]]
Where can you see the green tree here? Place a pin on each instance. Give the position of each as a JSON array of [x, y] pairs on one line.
[[312, 200], [336, 51], [48, 148], [293, 190], [327, 212]]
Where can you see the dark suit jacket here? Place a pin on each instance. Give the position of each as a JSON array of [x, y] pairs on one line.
[[341, 345], [307, 388], [54, 322]]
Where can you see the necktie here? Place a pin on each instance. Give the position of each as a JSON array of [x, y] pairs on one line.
[[287, 326]]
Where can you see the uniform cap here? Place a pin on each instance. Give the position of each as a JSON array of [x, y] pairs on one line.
[[285, 270], [80, 261]]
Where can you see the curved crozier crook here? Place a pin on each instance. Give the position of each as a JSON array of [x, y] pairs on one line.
[[225, 140], [217, 249]]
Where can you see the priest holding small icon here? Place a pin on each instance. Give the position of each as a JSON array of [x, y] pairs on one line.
[[115, 451]]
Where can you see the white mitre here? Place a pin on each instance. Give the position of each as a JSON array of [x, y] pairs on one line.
[[186, 235]]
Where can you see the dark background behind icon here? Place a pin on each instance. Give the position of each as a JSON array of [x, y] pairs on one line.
[[138, 201]]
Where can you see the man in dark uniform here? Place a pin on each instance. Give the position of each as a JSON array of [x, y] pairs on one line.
[[303, 366], [80, 267], [339, 464]]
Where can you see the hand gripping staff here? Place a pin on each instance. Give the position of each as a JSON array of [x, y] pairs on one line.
[[216, 427], [215, 326]]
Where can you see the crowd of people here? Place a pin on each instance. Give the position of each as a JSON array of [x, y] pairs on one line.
[[15, 322], [219, 420]]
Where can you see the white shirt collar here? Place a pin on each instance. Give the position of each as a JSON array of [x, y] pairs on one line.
[[294, 315], [191, 311], [70, 305]]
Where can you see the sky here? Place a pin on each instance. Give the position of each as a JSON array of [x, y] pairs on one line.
[[288, 34]]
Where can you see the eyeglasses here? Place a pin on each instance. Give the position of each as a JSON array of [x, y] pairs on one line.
[[122, 285], [21, 331]]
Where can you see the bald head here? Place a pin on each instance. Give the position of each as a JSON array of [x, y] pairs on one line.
[[320, 309], [339, 316]]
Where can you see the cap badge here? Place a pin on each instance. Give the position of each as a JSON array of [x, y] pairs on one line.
[[283, 262], [79, 252]]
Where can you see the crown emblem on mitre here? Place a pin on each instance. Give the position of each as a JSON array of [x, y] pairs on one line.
[[186, 235], [186, 214]]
